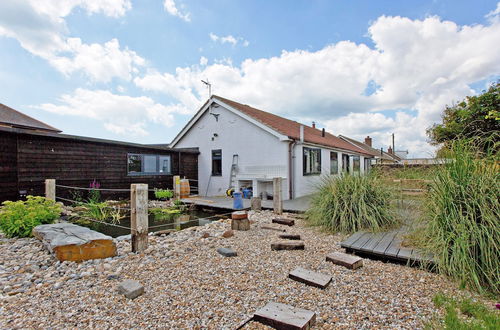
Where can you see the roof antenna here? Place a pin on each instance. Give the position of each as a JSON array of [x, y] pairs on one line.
[[209, 85]]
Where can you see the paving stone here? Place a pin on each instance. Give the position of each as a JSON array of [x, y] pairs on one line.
[[226, 252], [131, 289]]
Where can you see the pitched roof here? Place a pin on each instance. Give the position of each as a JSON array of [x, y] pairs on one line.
[[291, 128], [14, 118], [370, 150]]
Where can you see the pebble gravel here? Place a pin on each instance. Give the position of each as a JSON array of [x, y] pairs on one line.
[[188, 285]]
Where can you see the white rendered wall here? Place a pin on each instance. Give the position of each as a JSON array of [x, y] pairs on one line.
[[254, 146]]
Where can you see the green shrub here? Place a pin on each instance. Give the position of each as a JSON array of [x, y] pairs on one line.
[[462, 226], [464, 314], [351, 203], [17, 219], [164, 193]]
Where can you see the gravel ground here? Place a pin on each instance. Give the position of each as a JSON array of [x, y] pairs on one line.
[[189, 285]]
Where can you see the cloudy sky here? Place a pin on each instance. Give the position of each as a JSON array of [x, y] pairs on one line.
[[130, 70]]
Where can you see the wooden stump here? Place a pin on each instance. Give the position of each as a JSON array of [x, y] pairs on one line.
[[346, 260], [310, 278], [239, 221], [281, 316], [256, 204], [281, 221], [297, 245]]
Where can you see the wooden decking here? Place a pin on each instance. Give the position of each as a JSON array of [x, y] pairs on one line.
[[384, 245]]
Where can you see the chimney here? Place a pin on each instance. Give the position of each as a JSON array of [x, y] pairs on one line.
[[368, 141], [323, 132], [314, 124], [302, 133], [389, 151]]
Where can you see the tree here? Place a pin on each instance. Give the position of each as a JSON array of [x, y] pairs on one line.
[[477, 118]]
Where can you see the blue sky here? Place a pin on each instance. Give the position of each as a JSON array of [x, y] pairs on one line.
[[131, 70]]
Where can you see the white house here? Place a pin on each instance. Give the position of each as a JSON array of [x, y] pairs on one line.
[[241, 146]]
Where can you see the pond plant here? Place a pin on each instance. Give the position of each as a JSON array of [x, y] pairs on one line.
[[165, 194], [350, 203], [17, 219]]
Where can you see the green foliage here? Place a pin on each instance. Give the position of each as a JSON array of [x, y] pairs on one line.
[[100, 211], [477, 118], [165, 214], [351, 203], [17, 219], [164, 193], [94, 196], [464, 314], [462, 220]]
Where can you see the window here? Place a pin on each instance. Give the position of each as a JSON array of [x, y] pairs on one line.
[[345, 163], [355, 164], [148, 164], [312, 161], [217, 162], [334, 163]]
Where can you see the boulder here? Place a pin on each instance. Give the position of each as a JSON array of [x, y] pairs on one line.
[[227, 252], [70, 242], [228, 233]]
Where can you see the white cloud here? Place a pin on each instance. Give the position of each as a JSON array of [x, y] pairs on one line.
[[171, 8], [228, 39], [40, 28], [420, 65], [494, 15], [203, 61], [120, 114]]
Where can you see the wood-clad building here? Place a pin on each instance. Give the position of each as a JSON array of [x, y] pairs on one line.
[[29, 155]]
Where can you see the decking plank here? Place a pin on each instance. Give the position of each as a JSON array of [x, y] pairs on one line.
[[361, 241], [393, 248], [351, 239], [370, 245], [384, 243], [404, 253]]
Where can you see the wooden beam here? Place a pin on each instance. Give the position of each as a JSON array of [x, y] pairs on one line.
[[281, 221], [281, 316], [346, 260], [139, 217], [287, 245], [309, 277]]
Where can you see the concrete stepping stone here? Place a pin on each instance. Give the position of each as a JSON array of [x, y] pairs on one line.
[[281, 316], [130, 289], [290, 236], [287, 245], [346, 260], [282, 221], [309, 277], [227, 252], [273, 228]]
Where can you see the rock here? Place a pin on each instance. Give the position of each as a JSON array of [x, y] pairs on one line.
[[123, 238], [205, 235], [227, 252], [113, 277], [130, 289], [70, 242], [228, 233]]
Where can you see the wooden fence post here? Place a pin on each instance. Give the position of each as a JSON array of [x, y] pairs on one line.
[[277, 196], [50, 189], [139, 216], [177, 186]]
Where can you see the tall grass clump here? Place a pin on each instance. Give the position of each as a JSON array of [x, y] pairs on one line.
[[350, 203], [463, 219]]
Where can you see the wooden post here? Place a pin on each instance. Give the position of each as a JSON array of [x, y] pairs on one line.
[[177, 186], [277, 196], [256, 204], [50, 189], [139, 216]]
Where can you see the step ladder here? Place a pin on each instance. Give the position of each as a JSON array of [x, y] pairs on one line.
[[234, 170]]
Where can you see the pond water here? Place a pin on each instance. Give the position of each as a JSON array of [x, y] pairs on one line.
[[176, 221]]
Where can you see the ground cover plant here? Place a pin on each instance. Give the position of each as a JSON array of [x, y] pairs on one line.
[[464, 314], [164, 193], [462, 215], [351, 203], [17, 219]]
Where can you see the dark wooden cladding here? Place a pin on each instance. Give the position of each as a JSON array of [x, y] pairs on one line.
[[26, 160]]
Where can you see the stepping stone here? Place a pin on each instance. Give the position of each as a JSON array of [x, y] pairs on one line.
[[346, 260], [273, 228], [226, 252], [290, 236], [131, 289], [281, 221], [310, 278], [298, 245], [281, 316]]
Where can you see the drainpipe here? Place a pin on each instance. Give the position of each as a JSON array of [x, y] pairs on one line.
[[291, 145], [301, 134]]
